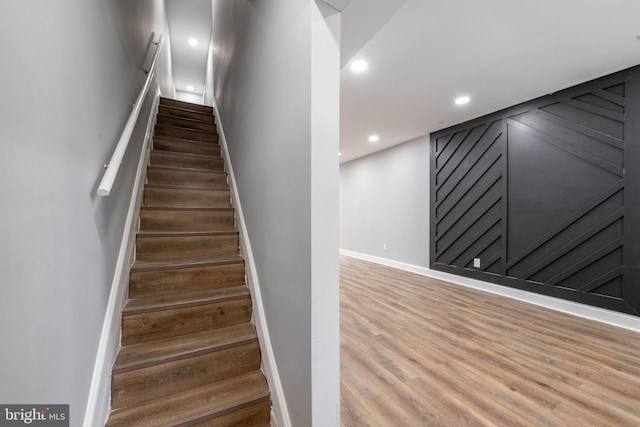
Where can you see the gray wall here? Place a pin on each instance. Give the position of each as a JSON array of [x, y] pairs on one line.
[[263, 80], [384, 198], [71, 70]]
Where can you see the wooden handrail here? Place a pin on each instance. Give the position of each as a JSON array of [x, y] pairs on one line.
[[104, 189]]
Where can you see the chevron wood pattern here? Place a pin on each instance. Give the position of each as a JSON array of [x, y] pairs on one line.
[[544, 195]]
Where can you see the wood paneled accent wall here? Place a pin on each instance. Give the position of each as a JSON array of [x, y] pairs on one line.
[[546, 194]]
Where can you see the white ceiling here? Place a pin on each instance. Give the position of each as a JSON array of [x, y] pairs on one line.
[[189, 19], [424, 53], [337, 4]]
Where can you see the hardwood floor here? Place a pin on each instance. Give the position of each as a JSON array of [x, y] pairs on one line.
[[421, 352]]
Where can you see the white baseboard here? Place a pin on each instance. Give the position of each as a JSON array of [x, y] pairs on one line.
[[98, 402], [279, 411], [610, 317], [274, 419]]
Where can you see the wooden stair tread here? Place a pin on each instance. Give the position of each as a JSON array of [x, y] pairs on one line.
[[163, 278], [186, 176], [168, 244], [152, 234], [170, 265], [183, 146], [204, 161], [185, 123], [169, 138], [136, 356], [182, 169], [161, 128], [177, 170], [184, 299], [184, 209], [189, 187], [200, 404], [184, 105], [185, 113], [178, 219], [189, 155]]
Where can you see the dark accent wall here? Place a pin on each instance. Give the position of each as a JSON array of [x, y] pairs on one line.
[[546, 194]]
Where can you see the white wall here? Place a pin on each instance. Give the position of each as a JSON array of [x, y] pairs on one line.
[[384, 199], [189, 97], [208, 75], [269, 57], [325, 290], [70, 71]]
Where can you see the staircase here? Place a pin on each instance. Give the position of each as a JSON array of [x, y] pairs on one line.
[[189, 354]]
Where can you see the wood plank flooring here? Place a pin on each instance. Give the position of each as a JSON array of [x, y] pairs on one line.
[[417, 351]]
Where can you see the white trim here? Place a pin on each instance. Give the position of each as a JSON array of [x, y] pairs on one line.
[[98, 402], [274, 419], [279, 411], [614, 318]]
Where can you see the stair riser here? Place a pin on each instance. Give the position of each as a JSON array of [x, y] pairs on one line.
[[179, 220], [258, 414], [188, 178], [166, 282], [173, 132], [186, 123], [186, 105], [147, 384], [170, 197], [157, 325], [235, 401], [185, 247], [180, 161], [187, 114], [180, 146]]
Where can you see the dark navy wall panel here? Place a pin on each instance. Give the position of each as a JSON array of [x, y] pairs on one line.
[[546, 195]]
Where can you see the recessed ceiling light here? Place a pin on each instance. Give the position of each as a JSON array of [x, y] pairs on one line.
[[359, 66], [193, 42], [374, 138], [339, 154], [461, 100], [189, 87]]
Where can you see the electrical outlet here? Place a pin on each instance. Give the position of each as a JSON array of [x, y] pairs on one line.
[[384, 246], [476, 262]]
